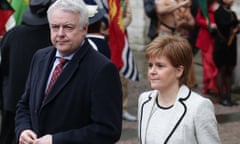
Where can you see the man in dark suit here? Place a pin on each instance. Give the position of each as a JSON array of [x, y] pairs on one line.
[[85, 103], [17, 48]]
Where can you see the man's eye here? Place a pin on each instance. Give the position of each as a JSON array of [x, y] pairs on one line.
[[68, 28], [54, 27], [65, 28]]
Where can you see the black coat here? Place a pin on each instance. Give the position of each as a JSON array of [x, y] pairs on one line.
[[17, 48], [150, 10], [224, 54], [100, 43], [83, 107]]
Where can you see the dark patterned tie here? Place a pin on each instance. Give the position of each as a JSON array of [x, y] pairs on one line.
[[57, 71]]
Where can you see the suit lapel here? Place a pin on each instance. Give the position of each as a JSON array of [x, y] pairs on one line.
[[146, 110], [177, 116], [62, 80], [180, 110], [68, 72], [44, 69]]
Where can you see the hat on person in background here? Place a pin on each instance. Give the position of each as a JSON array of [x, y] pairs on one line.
[[36, 13], [94, 12]]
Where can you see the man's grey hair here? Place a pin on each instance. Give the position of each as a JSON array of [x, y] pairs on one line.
[[71, 5]]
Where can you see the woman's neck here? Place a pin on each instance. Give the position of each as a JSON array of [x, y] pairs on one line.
[[167, 97]]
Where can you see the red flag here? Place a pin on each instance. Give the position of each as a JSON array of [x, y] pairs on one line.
[[5, 12], [121, 54], [116, 32]]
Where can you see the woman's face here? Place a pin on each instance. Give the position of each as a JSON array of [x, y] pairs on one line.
[[162, 74]]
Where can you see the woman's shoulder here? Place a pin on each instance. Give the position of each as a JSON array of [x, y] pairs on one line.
[[198, 96], [193, 99], [146, 95], [199, 102]]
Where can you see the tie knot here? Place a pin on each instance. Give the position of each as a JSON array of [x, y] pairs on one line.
[[62, 60]]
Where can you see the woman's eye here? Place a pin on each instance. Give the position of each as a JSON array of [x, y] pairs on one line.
[[150, 65], [159, 65]]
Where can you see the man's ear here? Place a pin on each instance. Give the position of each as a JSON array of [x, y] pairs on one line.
[[85, 28]]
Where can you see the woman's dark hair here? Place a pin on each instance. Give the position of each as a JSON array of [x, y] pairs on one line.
[[210, 2], [221, 2]]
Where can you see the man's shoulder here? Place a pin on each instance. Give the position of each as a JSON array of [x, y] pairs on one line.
[[44, 50]]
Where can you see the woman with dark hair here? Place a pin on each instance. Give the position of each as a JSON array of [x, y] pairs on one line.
[[225, 53]]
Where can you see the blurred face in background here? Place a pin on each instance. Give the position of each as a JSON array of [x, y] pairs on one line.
[[228, 2]]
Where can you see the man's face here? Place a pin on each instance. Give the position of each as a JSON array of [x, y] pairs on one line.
[[66, 33]]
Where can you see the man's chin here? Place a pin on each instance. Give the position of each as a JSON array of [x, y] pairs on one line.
[[61, 47]]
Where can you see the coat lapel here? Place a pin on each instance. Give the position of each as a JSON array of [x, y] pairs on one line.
[[67, 72], [44, 69], [62, 80], [146, 110], [180, 110]]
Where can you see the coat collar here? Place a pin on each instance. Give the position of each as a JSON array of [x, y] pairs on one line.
[[46, 64], [180, 109]]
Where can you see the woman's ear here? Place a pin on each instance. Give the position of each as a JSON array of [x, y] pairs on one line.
[[180, 70]]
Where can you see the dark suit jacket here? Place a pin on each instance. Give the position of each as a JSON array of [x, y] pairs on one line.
[[83, 107], [100, 43], [17, 49]]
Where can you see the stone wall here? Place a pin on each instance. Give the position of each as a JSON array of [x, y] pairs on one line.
[[137, 28], [236, 8]]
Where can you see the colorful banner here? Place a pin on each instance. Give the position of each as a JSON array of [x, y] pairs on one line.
[[5, 12], [19, 6], [204, 9], [121, 54]]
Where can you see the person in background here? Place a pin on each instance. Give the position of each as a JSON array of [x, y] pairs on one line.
[[161, 14], [6, 12], [95, 36], [150, 11], [103, 5], [225, 52], [205, 42], [172, 113], [83, 103], [194, 31], [126, 19], [184, 20], [185, 23], [17, 49], [166, 14]]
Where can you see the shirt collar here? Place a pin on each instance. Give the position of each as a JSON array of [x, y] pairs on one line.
[[69, 57]]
